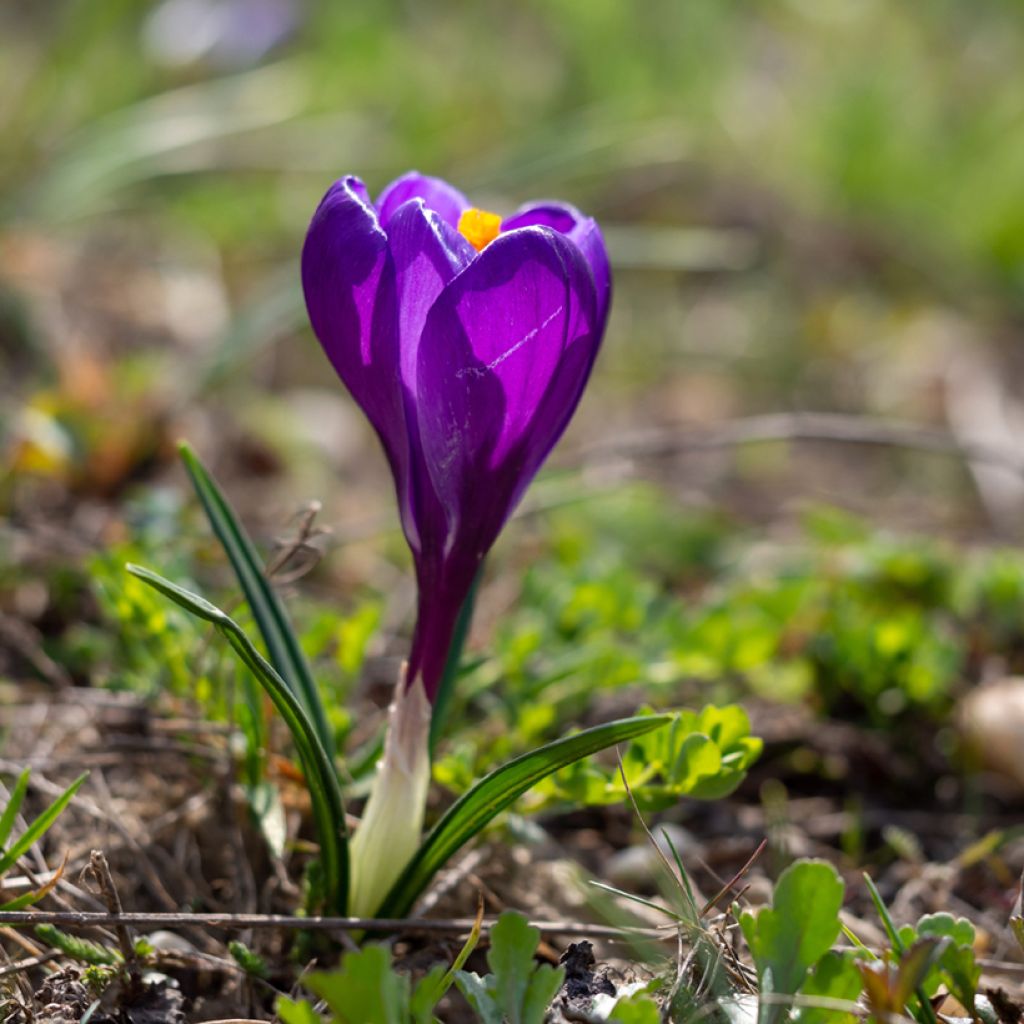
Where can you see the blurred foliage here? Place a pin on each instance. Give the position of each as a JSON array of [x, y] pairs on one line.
[[804, 202], [907, 117], [701, 755], [861, 624], [855, 622]]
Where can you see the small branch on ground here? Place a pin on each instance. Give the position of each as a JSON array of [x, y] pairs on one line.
[[100, 870], [802, 426], [237, 922]]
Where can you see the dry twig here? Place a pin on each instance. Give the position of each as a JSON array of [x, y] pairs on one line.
[[237, 922]]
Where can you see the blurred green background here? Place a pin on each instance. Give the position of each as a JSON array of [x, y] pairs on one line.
[[810, 205]]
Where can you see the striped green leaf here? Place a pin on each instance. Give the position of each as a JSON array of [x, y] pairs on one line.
[[494, 793], [321, 777], [267, 609]]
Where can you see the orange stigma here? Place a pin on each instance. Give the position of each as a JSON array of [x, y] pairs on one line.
[[481, 227]]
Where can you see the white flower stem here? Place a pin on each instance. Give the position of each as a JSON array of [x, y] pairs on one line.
[[390, 830]]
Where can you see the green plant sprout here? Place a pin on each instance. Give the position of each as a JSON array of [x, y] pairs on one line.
[[365, 989], [11, 851], [691, 761]]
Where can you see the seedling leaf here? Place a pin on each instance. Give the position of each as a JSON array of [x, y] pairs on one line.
[[702, 754], [435, 984], [636, 1009], [956, 966], [787, 939], [292, 1011], [13, 806], [835, 977], [364, 988], [517, 990]]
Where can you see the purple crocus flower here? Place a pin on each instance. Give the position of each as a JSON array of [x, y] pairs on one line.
[[467, 341]]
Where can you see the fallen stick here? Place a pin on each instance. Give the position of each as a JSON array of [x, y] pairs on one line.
[[237, 922]]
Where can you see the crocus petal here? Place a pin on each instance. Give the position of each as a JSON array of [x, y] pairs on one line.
[[447, 202], [581, 230], [427, 254], [494, 346], [468, 364], [504, 356], [348, 277]]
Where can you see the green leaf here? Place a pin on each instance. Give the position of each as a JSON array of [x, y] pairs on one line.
[[698, 756], [544, 984], [959, 929], [956, 967], [510, 958], [75, 946], [271, 619], [636, 1009], [364, 990], [716, 751], [250, 962], [496, 791], [38, 827], [835, 977], [479, 996], [962, 975], [518, 990], [790, 937], [704, 755], [293, 1011], [427, 994], [13, 806], [324, 789], [922, 952], [898, 945]]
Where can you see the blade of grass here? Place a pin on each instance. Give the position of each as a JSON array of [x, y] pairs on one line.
[[436, 988], [38, 827], [321, 777], [11, 810], [883, 913], [855, 939], [496, 791], [641, 900], [927, 1013], [271, 619]]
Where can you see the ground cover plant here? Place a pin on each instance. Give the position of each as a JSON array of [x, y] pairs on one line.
[[665, 668]]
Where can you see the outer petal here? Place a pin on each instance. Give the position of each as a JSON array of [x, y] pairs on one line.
[[516, 327], [505, 353], [427, 254], [348, 277], [579, 229], [447, 202]]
